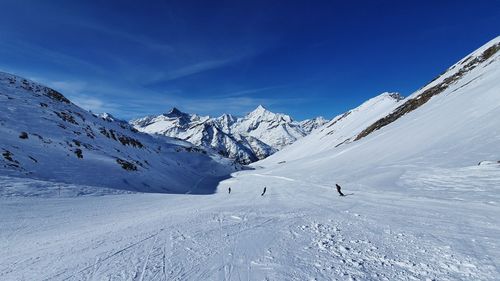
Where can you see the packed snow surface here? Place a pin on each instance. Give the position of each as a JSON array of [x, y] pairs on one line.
[[430, 225]]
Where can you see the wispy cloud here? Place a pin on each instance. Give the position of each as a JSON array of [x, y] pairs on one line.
[[120, 86], [38, 53], [81, 93], [68, 87], [178, 59], [136, 38], [96, 105], [192, 69], [252, 91], [90, 103]]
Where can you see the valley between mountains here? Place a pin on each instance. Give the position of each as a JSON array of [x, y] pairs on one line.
[[85, 196]]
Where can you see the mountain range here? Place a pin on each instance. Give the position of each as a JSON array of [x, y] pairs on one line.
[[247, 139], [45, 136]]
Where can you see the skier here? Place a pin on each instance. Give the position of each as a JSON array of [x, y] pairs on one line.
[[229, 190], [338, 190], [264, 191]]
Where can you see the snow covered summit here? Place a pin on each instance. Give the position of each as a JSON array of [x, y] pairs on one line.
[[275, 129]]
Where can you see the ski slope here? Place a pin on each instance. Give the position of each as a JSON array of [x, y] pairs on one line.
[[298, 230]]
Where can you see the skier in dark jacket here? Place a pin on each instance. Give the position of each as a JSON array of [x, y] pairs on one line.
[[229, 190], [338, 190], [264, 191]]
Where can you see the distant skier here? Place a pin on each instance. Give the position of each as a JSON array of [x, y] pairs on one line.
[[338, 190], [229, 190], [264, 191]]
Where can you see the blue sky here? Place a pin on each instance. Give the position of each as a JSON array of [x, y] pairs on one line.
[[305, 58]]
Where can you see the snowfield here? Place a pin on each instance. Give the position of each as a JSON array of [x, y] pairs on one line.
[[422, 229], [421, 178]]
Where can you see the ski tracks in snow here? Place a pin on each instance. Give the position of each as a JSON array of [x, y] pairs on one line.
[[293, 232], [357, 247]]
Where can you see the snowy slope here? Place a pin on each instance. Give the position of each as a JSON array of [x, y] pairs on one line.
[[299, 230], [45, 136], [456, 128], [247, 139], [454, 115], [340, 130]]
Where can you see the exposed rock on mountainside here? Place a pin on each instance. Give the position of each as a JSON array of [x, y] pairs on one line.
[[436, 87]]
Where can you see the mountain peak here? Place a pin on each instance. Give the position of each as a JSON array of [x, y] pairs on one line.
[[259, 111], [260, 108], [175, 112]]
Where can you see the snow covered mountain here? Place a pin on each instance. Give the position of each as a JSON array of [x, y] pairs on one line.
[[343, 128], [247, 139], [274, 129], [451, 123], [45, 136], [208, 132]]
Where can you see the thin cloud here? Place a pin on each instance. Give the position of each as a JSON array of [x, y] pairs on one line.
[[68, 87], [51, 56], [135, 38], [252, 91], [192, 69]]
